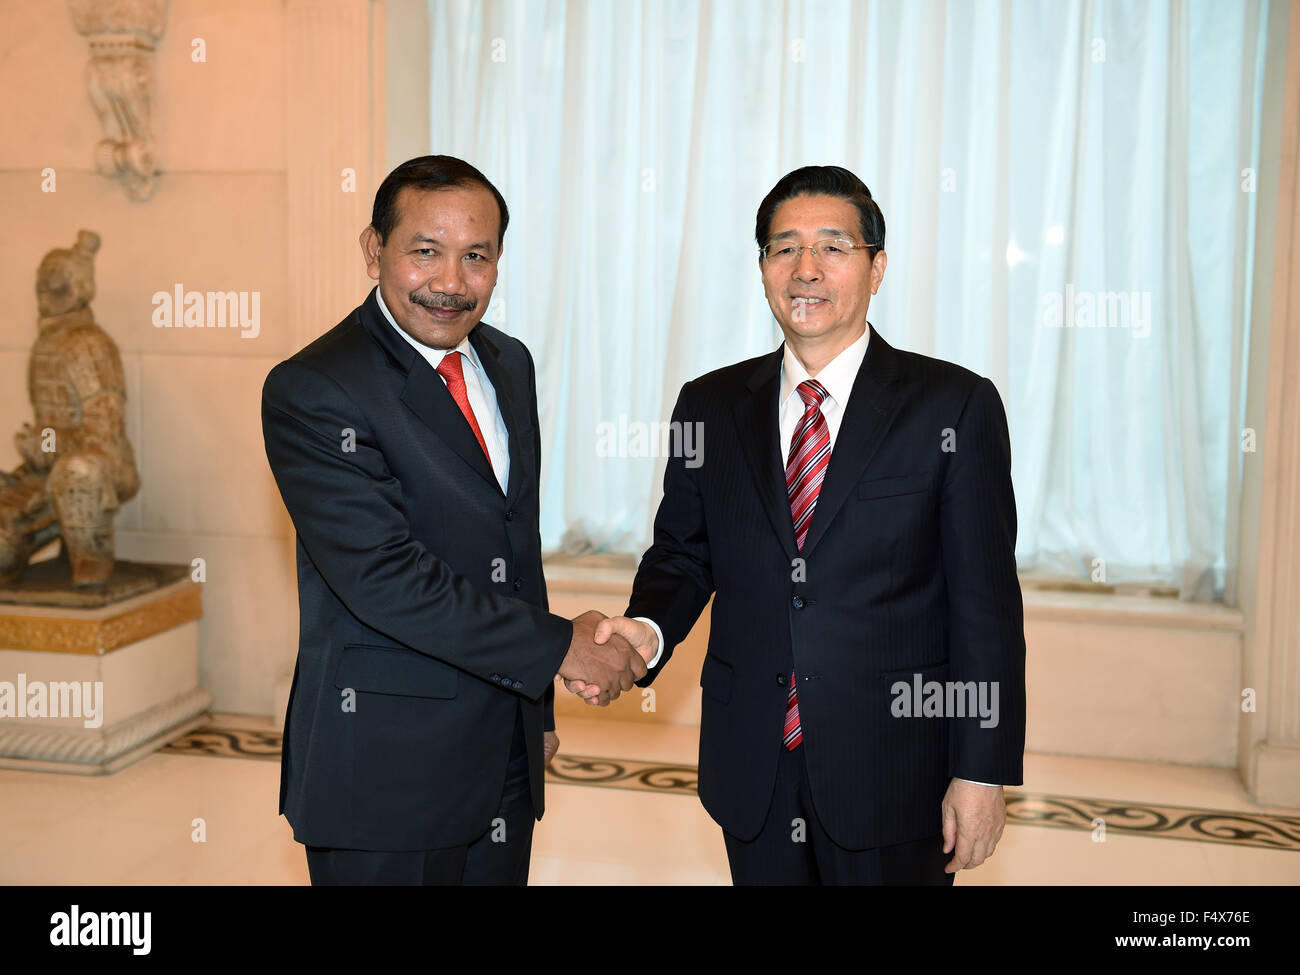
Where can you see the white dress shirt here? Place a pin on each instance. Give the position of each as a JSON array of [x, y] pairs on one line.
[[478, 388], [837, 378]]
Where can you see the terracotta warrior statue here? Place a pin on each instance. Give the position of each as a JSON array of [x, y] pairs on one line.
[[78, 467]]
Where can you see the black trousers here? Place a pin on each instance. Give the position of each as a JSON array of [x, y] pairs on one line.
[[792, 848], [500, 856]]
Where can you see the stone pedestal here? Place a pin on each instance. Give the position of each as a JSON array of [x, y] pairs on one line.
[[90, 689]]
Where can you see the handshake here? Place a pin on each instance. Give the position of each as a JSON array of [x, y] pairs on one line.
[[607, 656]]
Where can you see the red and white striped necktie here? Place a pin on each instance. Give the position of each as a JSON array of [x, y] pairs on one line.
[[810, 455]]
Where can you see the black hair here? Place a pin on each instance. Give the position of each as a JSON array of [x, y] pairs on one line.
[[831, 181], [429, 173]]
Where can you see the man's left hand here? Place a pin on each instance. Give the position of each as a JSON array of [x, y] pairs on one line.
[[550, 745], [973, 817]]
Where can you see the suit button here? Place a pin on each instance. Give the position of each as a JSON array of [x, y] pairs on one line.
[[797, 602], [780, 680], [517, 684], [495, 677], [510, 515], [518, 585]]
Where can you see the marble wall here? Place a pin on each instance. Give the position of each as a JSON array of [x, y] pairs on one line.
[[218, 221]]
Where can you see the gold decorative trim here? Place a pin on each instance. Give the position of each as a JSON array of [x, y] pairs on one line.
[[50, 634]]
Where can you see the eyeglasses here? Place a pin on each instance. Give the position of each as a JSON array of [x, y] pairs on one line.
[[829, 251]]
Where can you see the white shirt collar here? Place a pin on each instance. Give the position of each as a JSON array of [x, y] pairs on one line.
[[837, 376], [431, 355]]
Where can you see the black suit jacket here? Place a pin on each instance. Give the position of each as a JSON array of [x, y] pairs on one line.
[[420, 590], [908, 568]]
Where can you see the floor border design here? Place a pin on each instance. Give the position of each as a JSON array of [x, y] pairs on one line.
[[1123, 817]]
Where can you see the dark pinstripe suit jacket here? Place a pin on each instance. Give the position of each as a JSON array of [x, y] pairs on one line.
[[908, 569], [420, 590]]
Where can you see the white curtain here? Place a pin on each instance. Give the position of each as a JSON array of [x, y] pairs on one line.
[[1065, 190]]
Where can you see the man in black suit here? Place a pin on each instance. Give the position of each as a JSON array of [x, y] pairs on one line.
[[406, 447], [853, 519]]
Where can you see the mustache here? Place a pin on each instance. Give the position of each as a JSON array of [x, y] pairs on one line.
[[440, 300]]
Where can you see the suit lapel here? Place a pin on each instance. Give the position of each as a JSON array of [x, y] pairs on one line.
[[760, 436], [426, 395], [428, 398], [873, 405]]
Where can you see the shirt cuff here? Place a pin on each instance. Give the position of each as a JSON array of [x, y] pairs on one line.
[[659, 640], [991, 785]]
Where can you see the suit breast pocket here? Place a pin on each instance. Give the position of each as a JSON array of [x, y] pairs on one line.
[[392, 670], [893, 487]]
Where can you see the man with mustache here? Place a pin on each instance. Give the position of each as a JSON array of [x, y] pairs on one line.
[[855, 524], [406, 447]]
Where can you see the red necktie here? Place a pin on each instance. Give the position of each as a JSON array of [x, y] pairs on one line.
[[451, 369], [810, 455]]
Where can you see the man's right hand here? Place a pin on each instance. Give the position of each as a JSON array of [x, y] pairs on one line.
[[613, 666], [636, 632]]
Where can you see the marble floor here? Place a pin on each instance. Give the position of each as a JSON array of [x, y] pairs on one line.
[[1165, 824]]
